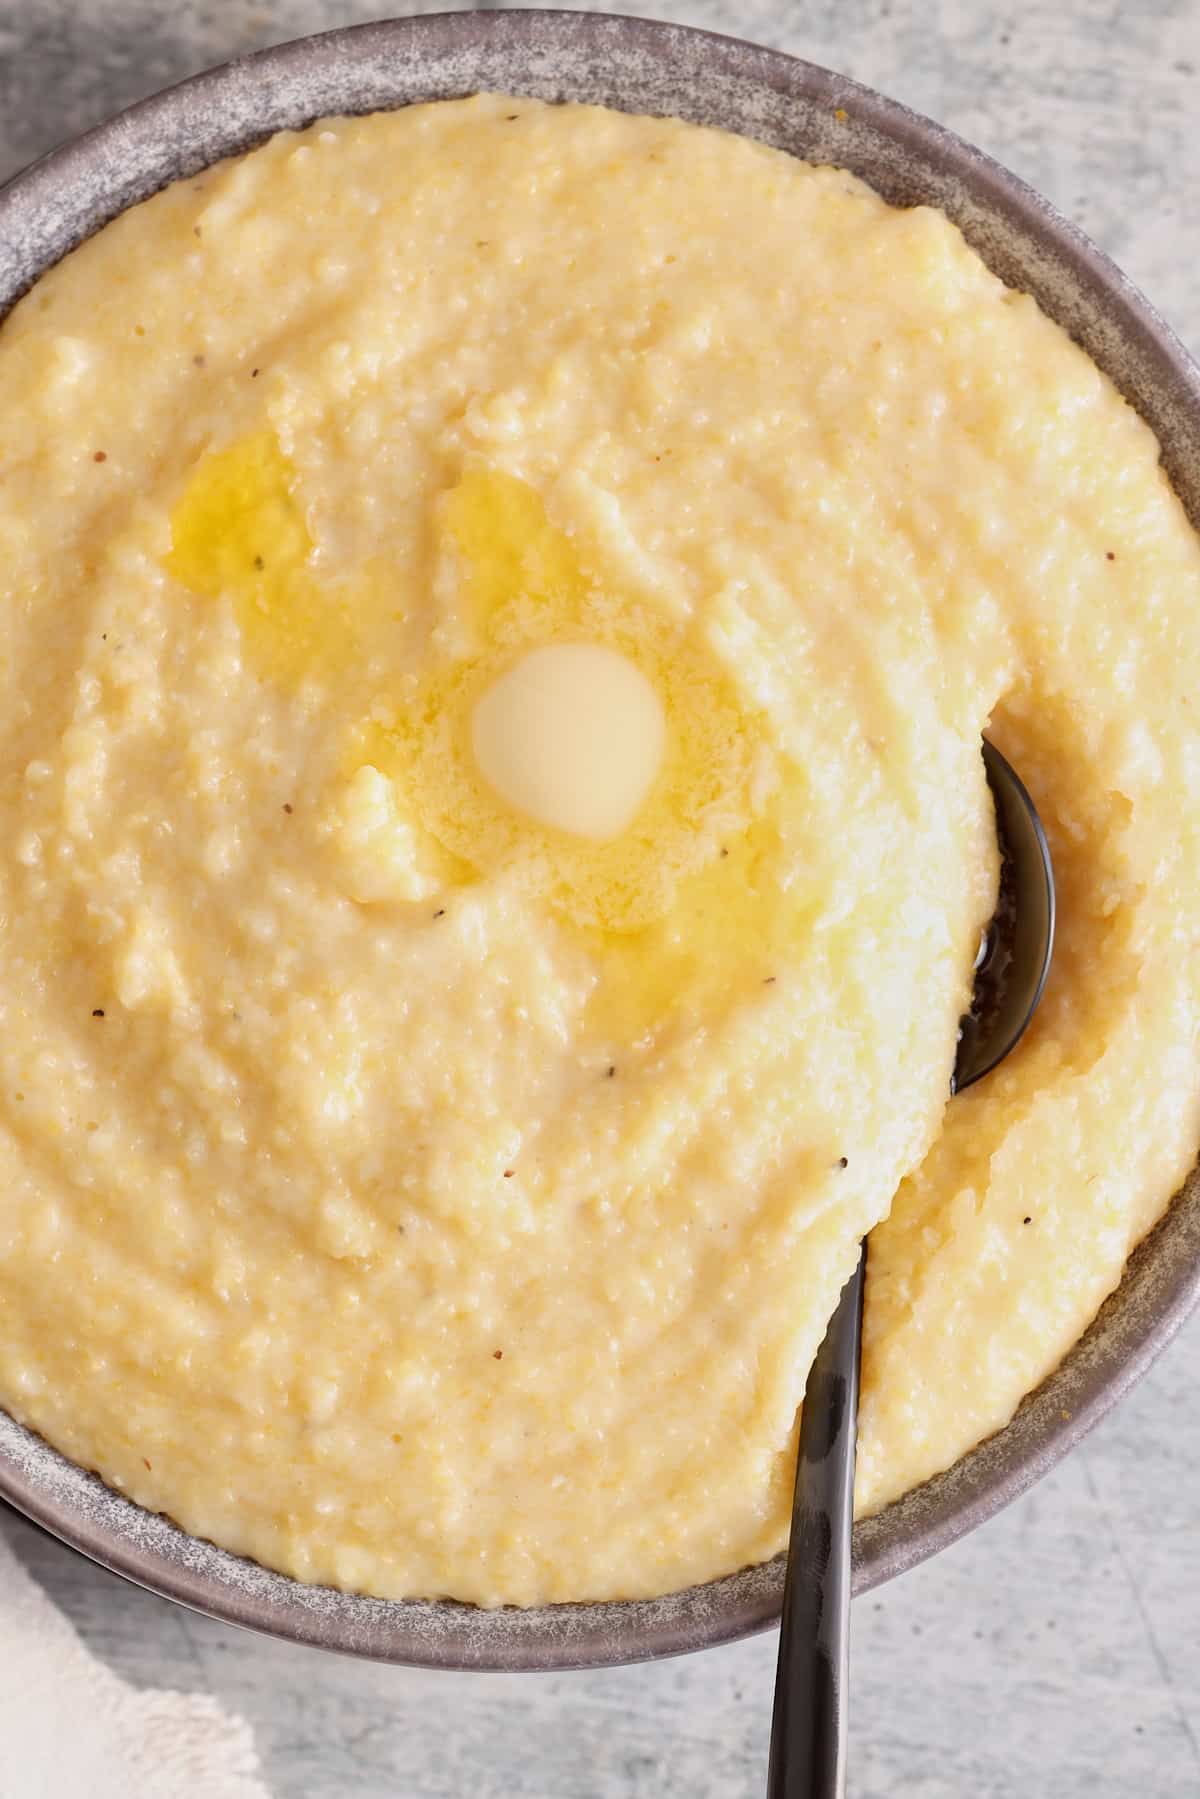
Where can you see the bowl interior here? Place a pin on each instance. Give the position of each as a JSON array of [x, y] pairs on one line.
[[639, 67]]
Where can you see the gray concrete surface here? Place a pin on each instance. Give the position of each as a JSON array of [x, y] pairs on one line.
[[1056, 1653]]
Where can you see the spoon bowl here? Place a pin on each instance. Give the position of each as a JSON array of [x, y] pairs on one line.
[[1015, 961]]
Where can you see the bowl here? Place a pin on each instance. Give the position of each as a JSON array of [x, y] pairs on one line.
[[637, 66]]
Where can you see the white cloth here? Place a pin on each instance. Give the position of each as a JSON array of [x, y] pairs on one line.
[[72, 1729]]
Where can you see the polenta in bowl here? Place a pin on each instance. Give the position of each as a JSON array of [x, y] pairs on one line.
[[503, 600]]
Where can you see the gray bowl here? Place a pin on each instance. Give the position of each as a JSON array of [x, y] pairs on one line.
[[640, 67]]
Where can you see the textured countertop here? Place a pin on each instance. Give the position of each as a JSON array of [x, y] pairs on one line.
[[1055, 1654]]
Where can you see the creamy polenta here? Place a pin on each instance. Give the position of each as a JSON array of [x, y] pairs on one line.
[[501, 603]]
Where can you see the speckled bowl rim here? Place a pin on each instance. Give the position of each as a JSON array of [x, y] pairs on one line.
[[638, 66]]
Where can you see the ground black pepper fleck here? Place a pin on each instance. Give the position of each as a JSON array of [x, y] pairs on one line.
[[1029, 1221], [259, 563], [843, 1161], [99, 1012], [440, 913], [287, 805], [498, 1355]]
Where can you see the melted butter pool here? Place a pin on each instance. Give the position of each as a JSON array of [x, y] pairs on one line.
[[239, 531], [634, 827]]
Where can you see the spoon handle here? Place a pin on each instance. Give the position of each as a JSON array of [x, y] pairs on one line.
[[808, 1731]]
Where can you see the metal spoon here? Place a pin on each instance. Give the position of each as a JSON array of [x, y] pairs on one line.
[[808, 1731]]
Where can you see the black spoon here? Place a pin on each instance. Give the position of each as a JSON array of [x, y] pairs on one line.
[[808, 1731]]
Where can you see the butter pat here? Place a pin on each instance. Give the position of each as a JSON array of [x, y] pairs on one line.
[[572, 736]]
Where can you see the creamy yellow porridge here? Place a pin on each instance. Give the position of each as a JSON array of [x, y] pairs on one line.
[[500, 607]]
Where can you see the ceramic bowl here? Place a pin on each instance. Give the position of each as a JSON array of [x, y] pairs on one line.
[[647, 68]]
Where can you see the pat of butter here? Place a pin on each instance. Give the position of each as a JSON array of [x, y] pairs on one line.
[[572, 736]]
